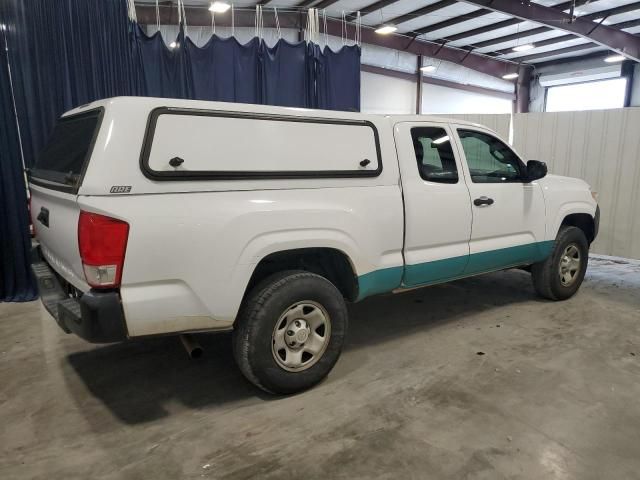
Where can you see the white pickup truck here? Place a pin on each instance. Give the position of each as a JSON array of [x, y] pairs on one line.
[[159, 216]]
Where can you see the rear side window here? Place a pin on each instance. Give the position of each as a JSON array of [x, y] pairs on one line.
[[64, 159], [183, 144], [434, 155]]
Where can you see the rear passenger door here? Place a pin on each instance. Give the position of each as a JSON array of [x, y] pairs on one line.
[[508, 211], [437, 204]]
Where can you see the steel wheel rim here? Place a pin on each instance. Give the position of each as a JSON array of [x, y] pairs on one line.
[[570, 263], [301, 336]]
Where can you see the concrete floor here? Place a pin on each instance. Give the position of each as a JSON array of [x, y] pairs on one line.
[[475, 379]]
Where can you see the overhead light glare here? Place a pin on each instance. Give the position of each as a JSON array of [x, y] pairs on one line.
[[428, 68], [219, 7], [614, 59], [173, 45], [440, 140], [386, 29], [510, 76], [523, 48]]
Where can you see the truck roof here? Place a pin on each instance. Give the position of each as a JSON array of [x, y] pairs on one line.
[[150, 103]]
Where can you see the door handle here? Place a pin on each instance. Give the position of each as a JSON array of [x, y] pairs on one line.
[[43, 216], [483, 201]]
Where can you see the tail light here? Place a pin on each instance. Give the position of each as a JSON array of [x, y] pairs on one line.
[[102, 241], [32, 226]]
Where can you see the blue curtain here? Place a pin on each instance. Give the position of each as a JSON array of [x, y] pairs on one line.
[[16, 280], [66, 53], [63, 54], [286, 79], [224, 70], [337, 78]]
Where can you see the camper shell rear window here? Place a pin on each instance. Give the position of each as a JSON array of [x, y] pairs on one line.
[[188, 144], [63, 161]]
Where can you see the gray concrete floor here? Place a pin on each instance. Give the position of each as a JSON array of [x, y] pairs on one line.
[[475, 379]]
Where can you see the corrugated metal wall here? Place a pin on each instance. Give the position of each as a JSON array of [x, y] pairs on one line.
[[601, 147]]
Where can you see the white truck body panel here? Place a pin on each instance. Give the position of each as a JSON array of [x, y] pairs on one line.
[[258, 180]]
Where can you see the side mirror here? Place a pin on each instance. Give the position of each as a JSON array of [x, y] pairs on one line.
[[536, 170]]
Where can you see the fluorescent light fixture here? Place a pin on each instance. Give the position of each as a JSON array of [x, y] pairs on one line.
[[173, 45], [219, 7], [428, 68], [440, 140], [614, 59], [510, 76], [386, 29], [523, 48]]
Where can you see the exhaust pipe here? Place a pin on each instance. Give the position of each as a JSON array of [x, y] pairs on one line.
[[191, 345]]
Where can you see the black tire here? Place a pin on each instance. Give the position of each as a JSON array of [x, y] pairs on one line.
[[253, 334], [546, 275]]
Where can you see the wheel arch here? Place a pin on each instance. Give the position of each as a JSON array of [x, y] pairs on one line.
[[333, 264], [583, 221]]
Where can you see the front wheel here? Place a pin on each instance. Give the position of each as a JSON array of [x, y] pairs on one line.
[[559, 277], [290, 332]]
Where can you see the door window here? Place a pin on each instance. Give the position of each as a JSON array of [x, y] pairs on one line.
[[489, 159], [434, 154]]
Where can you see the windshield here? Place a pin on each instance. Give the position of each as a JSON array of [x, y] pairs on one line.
[[64, 158]]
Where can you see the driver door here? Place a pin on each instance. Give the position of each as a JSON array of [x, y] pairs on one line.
[[508, 213]]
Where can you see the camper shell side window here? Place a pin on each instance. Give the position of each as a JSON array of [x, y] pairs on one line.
[[188, 144]]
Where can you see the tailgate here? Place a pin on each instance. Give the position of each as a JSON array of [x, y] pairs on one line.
[[55, 219]]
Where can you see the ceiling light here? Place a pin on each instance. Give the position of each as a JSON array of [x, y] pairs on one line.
[[614, 59], [523, 48], [428, 68], [219, 7], [386, 29], [510, 76]]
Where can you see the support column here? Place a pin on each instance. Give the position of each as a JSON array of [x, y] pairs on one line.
[[627, 72], [419, 86], [523, 86]]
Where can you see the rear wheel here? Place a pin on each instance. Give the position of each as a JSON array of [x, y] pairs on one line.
[[290, 332], [559, 277]]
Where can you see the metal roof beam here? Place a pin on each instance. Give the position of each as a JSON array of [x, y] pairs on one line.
[[479, 13], [560, 51], [452, 21], [539, 30], [566, 38], [421, 11], [513, 36], [374, 7], [620, 42], [325, 4]]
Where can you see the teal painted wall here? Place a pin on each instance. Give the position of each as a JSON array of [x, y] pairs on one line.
[[440, 271]]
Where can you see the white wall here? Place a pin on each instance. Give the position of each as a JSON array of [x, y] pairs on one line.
[[601, 147], [443, 100], [384, 94]]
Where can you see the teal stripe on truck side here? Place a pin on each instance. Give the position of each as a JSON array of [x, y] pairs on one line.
[[379, 281], [445, 270]]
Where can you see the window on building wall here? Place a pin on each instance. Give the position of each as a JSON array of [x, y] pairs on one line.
[[587, 96]]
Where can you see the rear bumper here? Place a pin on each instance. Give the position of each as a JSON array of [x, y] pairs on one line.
[[94, 316]]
